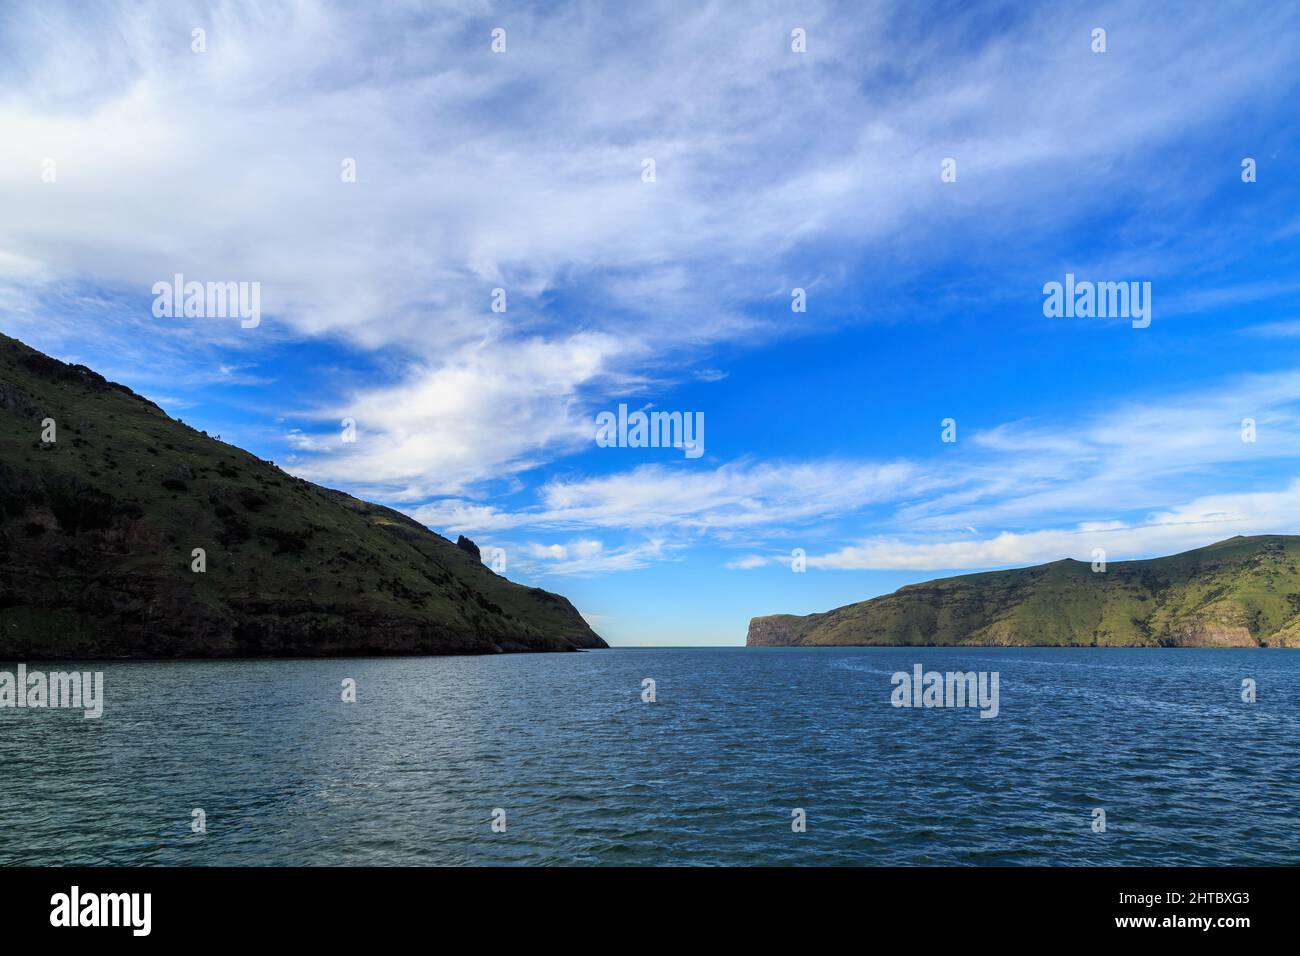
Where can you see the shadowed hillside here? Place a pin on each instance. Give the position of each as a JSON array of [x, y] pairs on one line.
[[1243, 592], [97, 531]]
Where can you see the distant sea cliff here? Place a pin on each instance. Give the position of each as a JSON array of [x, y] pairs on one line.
[[1242, 592]]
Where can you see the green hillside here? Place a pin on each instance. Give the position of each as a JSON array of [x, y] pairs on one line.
[[98, 527], [1243, 592]]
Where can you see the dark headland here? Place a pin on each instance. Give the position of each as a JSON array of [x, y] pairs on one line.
[[98, 531]]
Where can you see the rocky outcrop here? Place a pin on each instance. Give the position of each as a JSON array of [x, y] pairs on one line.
[[778, 630]]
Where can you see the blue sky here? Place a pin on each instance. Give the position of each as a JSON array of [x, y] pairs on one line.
[[774, 170]]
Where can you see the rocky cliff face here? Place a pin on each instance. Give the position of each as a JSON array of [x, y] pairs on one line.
[[125, 533], [778, 630], [1243, 592]]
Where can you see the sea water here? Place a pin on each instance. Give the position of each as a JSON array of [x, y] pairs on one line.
[[561, 759]]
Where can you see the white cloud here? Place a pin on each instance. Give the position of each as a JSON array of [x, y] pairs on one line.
[[548, 552], [497, 410], [1188, 526], [523, 171], [729, 497], [1135, 454], [458, 516], [585, 557], [1137, 471], [1289, 329], [304, 442]]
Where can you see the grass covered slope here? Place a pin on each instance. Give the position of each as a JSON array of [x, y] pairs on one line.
[[98, 527], [1243, 592]]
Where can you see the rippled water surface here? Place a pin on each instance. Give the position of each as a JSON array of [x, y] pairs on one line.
[[588, 774]]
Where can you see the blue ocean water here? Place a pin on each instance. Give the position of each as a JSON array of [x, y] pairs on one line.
[[587, 773]]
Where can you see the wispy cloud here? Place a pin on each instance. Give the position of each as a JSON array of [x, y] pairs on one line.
[[1188, 526], [586, 556], [1138, 471], [1281, 330], [727, 498], [523, 171]]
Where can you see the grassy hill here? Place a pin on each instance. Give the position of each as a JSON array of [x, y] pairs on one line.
[[97, 531], [1243, 592]]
